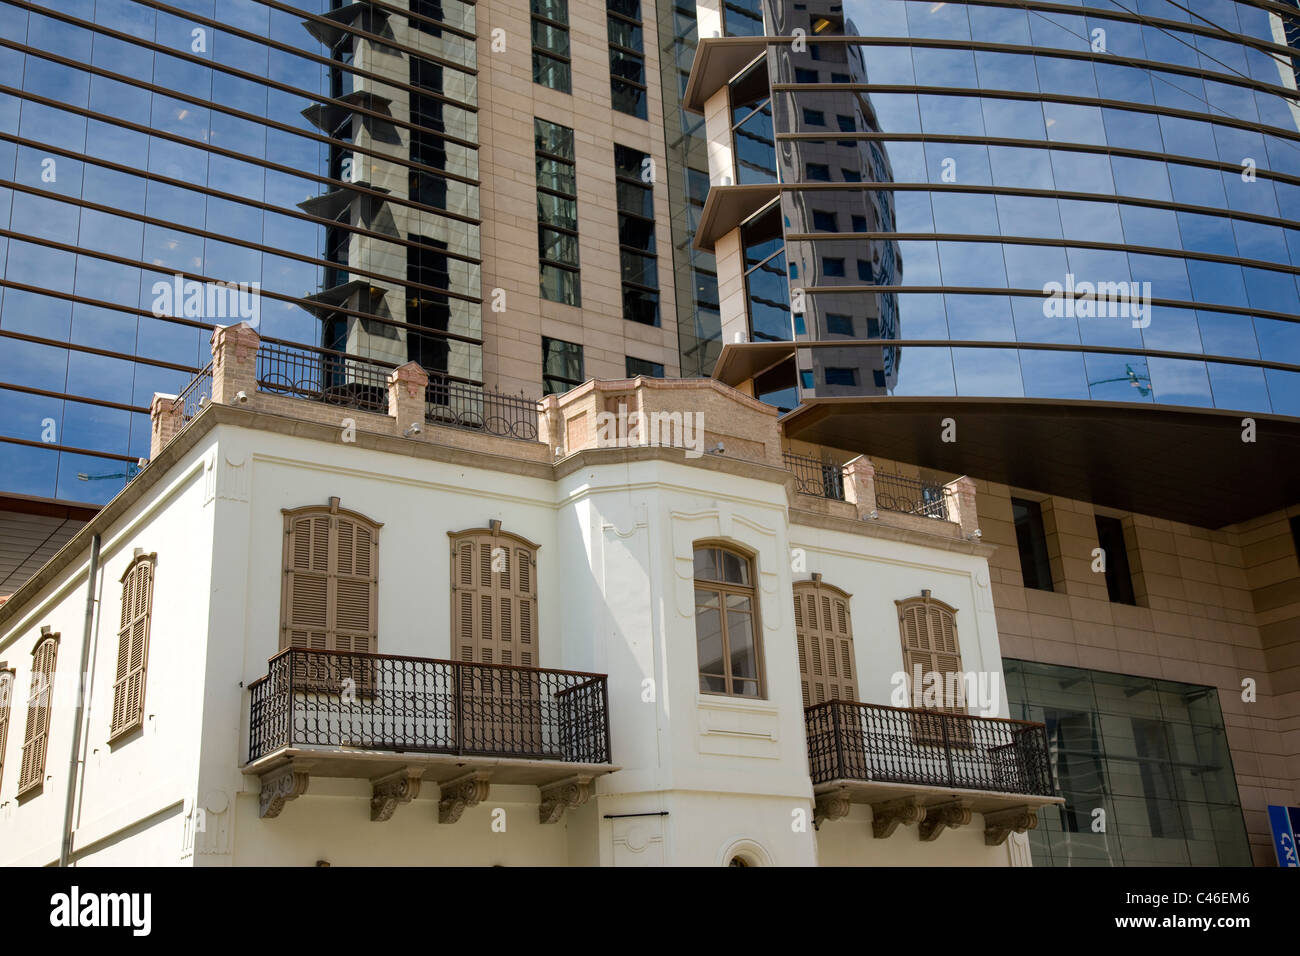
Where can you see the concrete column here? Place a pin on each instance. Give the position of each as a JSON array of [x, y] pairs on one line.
[[234, 362]]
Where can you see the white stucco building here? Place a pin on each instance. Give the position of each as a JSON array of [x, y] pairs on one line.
[[351, 640]]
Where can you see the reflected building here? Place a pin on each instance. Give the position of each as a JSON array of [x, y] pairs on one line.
[[1056, 250], [1152, 151], [328, 154]]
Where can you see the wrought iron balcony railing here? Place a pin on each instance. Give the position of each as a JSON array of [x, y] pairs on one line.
[[911, 496], [332, 699], [197, 394], [454, 403], [319, 375], [814, 477], [871, 742]]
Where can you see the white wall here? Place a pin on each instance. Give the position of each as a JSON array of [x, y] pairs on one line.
[[129, 787], [703, 777]]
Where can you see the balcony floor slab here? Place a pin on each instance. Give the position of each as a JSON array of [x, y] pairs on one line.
[[437, 767], [981, 801]]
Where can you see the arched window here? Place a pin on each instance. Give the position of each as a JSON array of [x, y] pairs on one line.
[[824, 631], [132, 645], [932, 662], [6, 704], [494, 597], [36, 736], [331, 580], [726, 630]]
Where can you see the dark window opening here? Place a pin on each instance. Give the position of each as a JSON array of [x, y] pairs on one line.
[[1032, 542], [1119, 581]]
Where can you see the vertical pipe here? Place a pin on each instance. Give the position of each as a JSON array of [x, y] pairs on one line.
[[83, 689]]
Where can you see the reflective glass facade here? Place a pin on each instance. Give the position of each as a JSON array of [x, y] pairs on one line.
[[325, 151], [943, 167], [694, 275], [1143, 765]]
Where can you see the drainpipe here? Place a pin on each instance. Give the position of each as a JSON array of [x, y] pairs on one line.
[[65, 849]]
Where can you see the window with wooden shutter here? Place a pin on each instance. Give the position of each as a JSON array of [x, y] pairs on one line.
[[932, 658], [132, 645], [824, 632], [6, 706], [494, 598], [494, 621], [36, 735], [330, 598]]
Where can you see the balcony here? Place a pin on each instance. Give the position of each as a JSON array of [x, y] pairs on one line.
[[927, 767], [399, 721]]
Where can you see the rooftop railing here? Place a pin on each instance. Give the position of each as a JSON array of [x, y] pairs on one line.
[[911, 496], [815, 477], [459, 405]]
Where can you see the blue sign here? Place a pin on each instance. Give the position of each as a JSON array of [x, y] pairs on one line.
[[1285, 822]]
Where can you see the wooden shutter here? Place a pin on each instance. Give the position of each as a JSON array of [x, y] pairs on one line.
[[331, 588], [330, 598], [306, 586], [6, 705], [36, 736], [824, 634], [929, 634], [132, 647], [494, 612]]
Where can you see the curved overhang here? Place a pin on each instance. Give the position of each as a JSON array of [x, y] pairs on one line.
[[726, 207], [740, 362], [1184, 464], [717, 60]]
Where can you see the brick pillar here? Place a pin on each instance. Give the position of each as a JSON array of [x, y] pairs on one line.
[[165, 414], [234, 362], [407, 387], [860, 485], [961, 504], [550, 423]]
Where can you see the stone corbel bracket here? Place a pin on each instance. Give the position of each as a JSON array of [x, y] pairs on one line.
[[1000, 824], [456, 796], [279, 786], [831, 805], [386, 792], [567, 794], [888, 816], [943, 816]]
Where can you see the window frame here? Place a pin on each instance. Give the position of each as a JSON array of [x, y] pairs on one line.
[[929, 727], [626, 217], [8, 680], [333, 512], [31, 776], [1119, 573], [514, 545], [544, 53], [572, 269], [618, 51], [824, 595], [142, 566], [1035, 526], [723, 588], [548, 377]]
